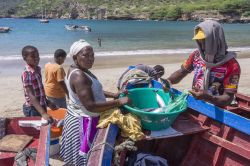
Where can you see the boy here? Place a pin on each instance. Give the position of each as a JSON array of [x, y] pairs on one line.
[[36, 102], [55, 87]]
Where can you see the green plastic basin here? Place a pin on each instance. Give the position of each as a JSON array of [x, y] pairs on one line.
[[143, 98]]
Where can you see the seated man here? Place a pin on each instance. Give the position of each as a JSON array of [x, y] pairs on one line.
[[216, 71]]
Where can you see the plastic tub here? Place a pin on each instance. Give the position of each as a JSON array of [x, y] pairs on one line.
[[56, 132], [144, 98]]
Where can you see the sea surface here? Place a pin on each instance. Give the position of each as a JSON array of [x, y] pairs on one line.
[[117, 37]]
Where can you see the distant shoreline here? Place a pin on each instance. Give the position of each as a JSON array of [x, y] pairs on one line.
[[105, 62], [221, 20]]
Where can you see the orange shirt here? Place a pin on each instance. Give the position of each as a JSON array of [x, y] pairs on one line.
[[54, 73]]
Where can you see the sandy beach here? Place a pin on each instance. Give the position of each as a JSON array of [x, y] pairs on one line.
[[108, 70]]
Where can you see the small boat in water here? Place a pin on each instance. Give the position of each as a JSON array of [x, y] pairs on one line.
[[4, 29], [44, 20], [70, 27], [203, 135], [86, 28], [40, 142]]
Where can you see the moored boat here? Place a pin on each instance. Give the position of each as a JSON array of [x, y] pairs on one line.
[[4, 29], [205, 135], [44, 20], [40, 142]]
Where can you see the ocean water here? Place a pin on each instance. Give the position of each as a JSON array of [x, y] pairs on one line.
[[118, 37]]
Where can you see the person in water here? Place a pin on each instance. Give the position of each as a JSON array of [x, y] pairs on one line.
[[86, 100], [216, 71]]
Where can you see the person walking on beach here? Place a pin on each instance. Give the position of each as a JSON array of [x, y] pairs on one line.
[[86, 100], [36, 102], [216, 71], [99, 40], [55, 87]]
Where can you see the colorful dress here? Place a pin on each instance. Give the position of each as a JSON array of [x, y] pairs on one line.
[[223, 78], [79, 129]]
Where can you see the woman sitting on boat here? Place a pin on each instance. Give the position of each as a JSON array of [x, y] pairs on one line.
[[86, 100], [216, 71]]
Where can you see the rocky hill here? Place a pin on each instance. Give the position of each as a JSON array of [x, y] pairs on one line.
[[225, 11]]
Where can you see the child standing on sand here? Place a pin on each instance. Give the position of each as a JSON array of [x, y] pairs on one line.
[[36, 102], [55, 87]]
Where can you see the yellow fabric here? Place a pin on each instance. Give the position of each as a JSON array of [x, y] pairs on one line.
[[54, 73], [129, 124], [199, 35]]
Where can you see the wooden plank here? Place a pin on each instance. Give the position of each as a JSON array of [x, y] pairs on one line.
[[227, 145], [95, 155], [228, 118], [184, 125], [102, 153], [42, 156], [219, 150], [110, 139]]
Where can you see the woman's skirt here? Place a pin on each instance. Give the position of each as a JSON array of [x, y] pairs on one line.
[[77, 138]]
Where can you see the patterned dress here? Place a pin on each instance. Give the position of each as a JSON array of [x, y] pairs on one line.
[[223, 78]]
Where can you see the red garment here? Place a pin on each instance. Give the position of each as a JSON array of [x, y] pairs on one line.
[[33, 77], [222, 78]]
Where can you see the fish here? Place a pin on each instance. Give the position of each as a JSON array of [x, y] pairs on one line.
[[160, 101], [160, 110]]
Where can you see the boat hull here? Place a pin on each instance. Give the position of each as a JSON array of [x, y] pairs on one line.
[[40, 141], [44, 21], [217, 137]]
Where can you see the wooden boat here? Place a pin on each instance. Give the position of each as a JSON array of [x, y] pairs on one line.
[[4, 29], [44, 20], [206, 135], [40, 141]]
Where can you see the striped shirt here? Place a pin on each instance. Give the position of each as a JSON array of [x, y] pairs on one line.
[[33, 77]]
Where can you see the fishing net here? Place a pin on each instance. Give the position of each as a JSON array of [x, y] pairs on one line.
[[177, 102]]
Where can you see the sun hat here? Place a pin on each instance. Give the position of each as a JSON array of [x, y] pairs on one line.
[[199, 35]]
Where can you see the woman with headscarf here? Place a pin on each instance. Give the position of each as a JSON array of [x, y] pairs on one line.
[[214, 67], [86, 100]]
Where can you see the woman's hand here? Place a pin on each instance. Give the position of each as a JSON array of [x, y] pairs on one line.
[[116, 95], [199, 94], [124, 100]]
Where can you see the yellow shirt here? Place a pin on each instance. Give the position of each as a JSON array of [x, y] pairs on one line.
[[54, 73]]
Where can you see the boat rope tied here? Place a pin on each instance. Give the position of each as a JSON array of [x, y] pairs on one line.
[[21, 157], [102, 143], [128, 145]]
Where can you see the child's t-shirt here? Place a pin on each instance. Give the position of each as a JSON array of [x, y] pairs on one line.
[[33, 78], [54, 74]]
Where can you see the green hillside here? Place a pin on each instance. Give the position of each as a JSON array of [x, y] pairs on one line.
[[145, 9]]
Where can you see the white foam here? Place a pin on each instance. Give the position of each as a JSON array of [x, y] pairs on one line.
[[132, 52]]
